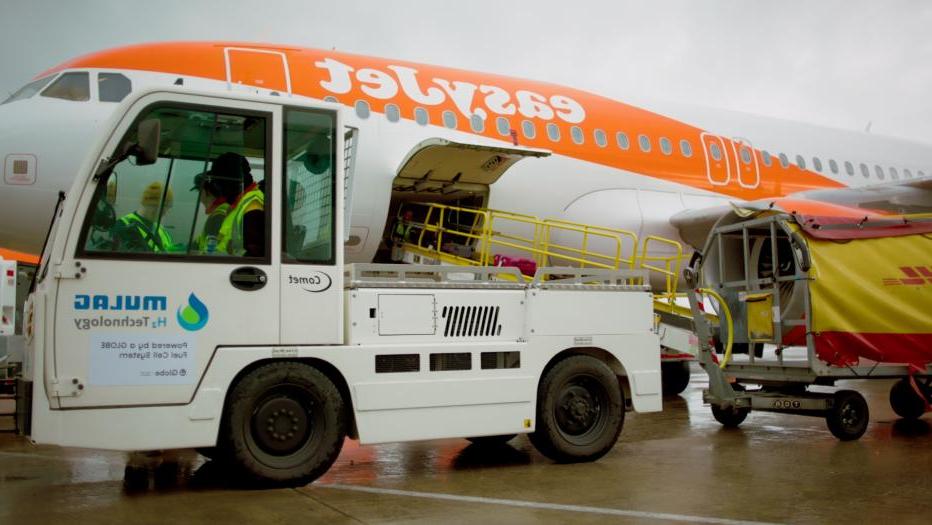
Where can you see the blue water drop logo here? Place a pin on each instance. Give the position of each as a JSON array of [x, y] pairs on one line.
[[194, 316]]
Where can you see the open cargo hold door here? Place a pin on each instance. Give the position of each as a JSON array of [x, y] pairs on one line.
[[439, 169]]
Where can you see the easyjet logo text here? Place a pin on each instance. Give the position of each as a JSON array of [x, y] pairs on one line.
[[470, 99], [912, 276]]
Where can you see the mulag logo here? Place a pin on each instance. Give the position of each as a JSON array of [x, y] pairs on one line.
[[194, 316], [914, 276]]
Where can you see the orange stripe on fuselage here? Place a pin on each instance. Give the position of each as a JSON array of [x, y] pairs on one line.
[[308, 79]]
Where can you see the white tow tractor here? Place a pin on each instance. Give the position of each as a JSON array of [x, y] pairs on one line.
[[152, 327]]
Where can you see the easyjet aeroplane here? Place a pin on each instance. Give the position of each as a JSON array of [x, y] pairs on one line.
[[438, 134]]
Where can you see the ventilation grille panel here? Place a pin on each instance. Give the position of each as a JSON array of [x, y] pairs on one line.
[[452, 361], [387, 364], [471, 321], [493, 360]]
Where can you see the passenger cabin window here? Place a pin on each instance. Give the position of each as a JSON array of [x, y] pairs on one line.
[[765, 156], [204, 197], [879, 171], [865, 171], [686, 148], [745, 155], [70, 86], [600, 138], [666, 147], [833, 166], [801, 162], [817, 163], [449, 119], [29, 89], [421, 116], [622, 139], [503, 126], [362, 109], [893, 174], [309, 187], [527, 127], [644, 143], [784, 161], [113, 87], [392, 113], [715, 151], [849, 168], [477, 123], [908, 174], [553, 132], [577, 133]]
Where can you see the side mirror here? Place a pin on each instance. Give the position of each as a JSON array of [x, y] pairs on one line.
[[147, 147]]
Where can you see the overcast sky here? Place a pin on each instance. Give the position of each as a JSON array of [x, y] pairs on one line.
[[837, 63]]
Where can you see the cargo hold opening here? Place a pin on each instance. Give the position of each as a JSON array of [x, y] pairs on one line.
[[440, 171]]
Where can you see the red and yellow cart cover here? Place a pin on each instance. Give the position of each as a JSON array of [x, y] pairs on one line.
[[872, 299]]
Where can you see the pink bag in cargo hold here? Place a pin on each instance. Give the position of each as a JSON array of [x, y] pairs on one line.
[[525, 266]]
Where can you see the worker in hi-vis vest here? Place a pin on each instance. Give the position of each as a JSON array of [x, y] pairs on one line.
[[141, 231], [242, 232], [216, 208]]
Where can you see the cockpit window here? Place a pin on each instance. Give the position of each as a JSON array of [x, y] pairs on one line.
[[113, 87], [29, 89], [70, 86]]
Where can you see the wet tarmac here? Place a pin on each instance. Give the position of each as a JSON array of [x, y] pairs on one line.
[[677, 466]]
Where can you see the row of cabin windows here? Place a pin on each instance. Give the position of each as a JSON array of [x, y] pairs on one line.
[[528, 128], [552, 130], [833, 166]]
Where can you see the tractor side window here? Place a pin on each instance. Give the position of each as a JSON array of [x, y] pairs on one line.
[[203, 196], [309, 187]]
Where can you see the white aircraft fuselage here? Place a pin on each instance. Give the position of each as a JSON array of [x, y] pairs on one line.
[[620, 164]]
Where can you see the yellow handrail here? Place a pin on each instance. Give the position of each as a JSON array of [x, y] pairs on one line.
[[477, 232], [670, 269]]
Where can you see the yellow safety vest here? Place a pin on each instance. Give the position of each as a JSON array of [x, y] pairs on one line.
[[230, 236], [208, 243], [157, 241]]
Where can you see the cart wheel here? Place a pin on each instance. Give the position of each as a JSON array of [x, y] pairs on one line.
[[730, 417], [847, 419], [905, 401]]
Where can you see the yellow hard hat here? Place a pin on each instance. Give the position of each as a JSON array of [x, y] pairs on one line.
[[152, 195]]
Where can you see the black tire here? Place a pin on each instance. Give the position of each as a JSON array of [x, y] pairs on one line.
[[730, 417], [580, 410], [905, 401], [674, 375], [135, 478], [284, 423], [848, 417], [212, 453], [491, 441]]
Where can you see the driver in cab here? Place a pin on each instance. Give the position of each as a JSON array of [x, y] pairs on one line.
[[141, 230]]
